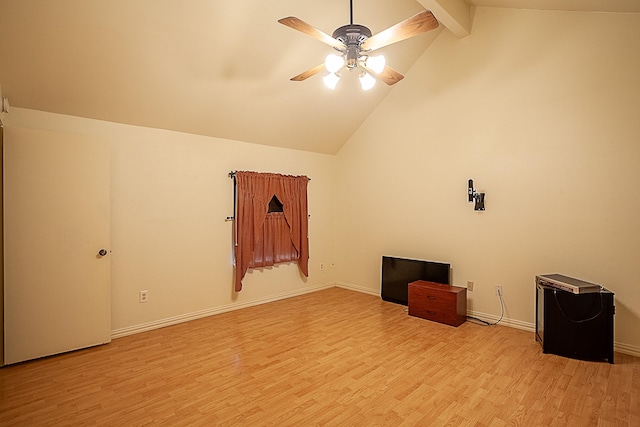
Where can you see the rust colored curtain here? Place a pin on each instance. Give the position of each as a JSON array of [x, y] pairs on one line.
[[263, 239], [274, 243]]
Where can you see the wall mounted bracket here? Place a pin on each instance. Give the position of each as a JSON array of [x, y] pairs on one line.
[[476, 197]]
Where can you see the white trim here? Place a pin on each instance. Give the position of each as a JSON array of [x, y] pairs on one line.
[[357, 288], [626, 349], [512, 323], [157, 324]]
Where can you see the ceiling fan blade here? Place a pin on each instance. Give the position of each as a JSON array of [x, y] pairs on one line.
[[310, 72], [388, 75], [300, 25], [417, 24]]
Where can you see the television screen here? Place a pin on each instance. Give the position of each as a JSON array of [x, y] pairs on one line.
[[397, 273]]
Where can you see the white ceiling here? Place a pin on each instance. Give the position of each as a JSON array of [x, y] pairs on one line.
[[211, 67]]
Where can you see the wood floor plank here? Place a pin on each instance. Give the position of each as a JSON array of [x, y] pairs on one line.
[[333, 357]]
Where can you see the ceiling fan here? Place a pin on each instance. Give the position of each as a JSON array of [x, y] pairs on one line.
[[355, 43]]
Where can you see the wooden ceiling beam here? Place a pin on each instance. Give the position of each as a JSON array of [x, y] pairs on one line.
[[453, 14]]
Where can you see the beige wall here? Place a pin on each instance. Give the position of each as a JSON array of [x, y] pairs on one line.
[[170, 195], [541, 110]]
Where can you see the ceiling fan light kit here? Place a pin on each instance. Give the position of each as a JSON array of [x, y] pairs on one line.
[[333, 62], [331, 80], [355, 43], [375, 63], [366, 81]]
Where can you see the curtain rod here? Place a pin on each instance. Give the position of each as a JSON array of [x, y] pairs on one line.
[[232, 175]]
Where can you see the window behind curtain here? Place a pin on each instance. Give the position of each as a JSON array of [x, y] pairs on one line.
[[264, 238]]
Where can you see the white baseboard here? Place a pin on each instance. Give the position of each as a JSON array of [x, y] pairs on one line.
[[357, 288], [626, 349], [513, 323], [531, 327], [482, 316], [144, 327]]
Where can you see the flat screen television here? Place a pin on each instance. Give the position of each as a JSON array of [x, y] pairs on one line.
[[397, 273]]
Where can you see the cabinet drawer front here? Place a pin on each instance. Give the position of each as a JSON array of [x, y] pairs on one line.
[[433, 314], [432, 296]]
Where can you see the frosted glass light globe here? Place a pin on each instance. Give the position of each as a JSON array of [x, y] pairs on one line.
[[367, 81], [331, 80], [333, 62], [375, 63]]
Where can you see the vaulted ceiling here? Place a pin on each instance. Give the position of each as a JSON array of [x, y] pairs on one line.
[[219, 68]]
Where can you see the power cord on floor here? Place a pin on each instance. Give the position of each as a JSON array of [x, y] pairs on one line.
[[484, 322]]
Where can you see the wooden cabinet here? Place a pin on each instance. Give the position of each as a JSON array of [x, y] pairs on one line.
[[440, 303]]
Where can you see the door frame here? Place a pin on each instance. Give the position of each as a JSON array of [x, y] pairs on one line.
[[1, 245]]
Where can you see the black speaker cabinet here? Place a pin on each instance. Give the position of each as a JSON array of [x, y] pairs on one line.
[[579, 326]]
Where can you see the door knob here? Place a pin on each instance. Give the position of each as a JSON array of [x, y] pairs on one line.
[[102, 252]]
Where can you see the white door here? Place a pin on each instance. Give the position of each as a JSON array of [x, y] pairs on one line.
[[56, 221]]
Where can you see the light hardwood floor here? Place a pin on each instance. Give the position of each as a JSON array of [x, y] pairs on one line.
[[334, 357]]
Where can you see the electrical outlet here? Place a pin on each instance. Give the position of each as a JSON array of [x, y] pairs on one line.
[[144, 296], [321, 267], [470, 286], [498, 289]]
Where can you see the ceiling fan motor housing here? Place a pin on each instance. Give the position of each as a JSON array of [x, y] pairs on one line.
[[352, 36]]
